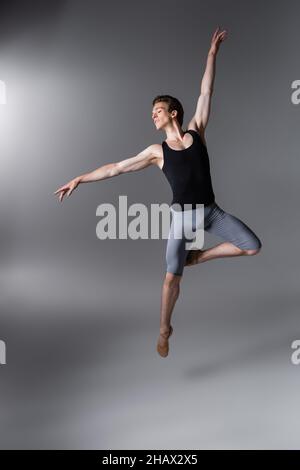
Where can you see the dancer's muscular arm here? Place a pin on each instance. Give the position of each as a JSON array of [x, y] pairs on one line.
[[145, 158], [200, 119]]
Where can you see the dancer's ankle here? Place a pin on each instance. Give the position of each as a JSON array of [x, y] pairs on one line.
[[164, 330]]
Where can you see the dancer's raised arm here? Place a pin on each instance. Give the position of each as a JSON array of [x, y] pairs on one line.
[[200, 119], [142, 160]]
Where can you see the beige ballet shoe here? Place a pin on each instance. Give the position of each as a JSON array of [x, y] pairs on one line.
[[163, 349]]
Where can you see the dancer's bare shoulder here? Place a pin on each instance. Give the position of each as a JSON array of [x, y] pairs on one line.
[[192, 126]]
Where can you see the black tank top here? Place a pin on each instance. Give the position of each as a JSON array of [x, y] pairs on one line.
[[188, 172]]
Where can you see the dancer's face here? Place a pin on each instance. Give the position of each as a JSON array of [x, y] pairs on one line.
[[160, 114]]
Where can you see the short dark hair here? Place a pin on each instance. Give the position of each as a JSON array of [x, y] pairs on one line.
[[173, 104]]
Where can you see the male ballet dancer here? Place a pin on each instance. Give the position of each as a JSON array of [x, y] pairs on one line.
[[184, 160]]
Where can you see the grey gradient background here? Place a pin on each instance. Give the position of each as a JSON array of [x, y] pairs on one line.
[[80, 316]]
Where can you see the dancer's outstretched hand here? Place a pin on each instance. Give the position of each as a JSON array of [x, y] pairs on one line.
[[216, 40], [67, 188]]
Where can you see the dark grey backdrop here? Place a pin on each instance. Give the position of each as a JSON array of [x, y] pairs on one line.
[[80, 316]]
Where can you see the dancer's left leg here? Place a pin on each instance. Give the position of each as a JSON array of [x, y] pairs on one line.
[[240, 239]]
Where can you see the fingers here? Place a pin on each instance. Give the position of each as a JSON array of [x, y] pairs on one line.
[[222, 35], [65, 192], [219, 35], [62, 192], [67, 189], [215, 33], [62, 188]]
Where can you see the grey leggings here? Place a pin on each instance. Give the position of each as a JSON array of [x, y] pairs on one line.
[[216, 221]]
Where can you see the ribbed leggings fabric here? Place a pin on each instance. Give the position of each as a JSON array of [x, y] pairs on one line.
[[216, 221]]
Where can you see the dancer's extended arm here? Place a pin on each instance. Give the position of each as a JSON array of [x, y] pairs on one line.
[[200, 119], [142, 160]]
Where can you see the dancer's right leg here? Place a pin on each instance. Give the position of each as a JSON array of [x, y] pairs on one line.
[[169, 295], [175, 260]]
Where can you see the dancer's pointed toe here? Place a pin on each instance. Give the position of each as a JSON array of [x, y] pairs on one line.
[[163, 343]]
